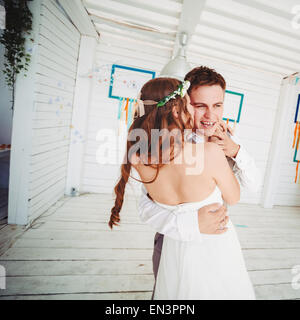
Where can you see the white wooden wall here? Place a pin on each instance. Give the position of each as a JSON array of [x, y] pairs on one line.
[[57, 52], [54, 89], [256, 124]]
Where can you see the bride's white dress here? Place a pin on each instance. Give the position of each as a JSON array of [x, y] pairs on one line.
[[210, 267]]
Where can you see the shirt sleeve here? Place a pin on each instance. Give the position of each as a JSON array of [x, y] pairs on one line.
[[245, 169], [177, 224]]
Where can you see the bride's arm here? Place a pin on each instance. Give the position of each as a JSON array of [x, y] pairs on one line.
[[220, 170]]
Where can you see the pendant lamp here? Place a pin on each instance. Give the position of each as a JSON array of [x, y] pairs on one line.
[[178, 67]]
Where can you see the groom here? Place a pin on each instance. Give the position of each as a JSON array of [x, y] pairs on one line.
[[206, 92]]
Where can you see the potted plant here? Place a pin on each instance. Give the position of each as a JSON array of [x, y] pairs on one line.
[[18, 28]]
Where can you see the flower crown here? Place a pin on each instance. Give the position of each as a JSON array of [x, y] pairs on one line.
[[181, 91]]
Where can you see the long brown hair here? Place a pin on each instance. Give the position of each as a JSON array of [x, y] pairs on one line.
[[154, 118]]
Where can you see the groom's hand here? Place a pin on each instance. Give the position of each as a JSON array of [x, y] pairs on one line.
[[212, 219], [221, 138]]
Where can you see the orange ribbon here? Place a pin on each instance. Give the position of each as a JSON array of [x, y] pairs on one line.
[[295, 133], [297, 172], [297, 144], [126, 108], [227, 121]]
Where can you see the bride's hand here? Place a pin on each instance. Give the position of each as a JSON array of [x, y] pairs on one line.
[[225, 127], [220, 137]]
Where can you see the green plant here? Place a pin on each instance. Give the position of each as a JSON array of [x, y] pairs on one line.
[[18, 27]]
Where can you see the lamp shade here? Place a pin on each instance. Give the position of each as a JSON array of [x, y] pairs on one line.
[[177, 67]]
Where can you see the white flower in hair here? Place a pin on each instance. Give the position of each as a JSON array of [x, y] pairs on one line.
[[181, 91]]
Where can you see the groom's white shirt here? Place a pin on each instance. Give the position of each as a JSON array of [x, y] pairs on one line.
[[180, 225]]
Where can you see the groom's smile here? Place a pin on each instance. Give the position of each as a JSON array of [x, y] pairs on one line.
[[208, 106]]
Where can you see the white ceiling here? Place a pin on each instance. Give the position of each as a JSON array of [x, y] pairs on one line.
[[253, 33]]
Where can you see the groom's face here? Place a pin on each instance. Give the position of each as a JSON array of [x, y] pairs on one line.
[[208, 106]]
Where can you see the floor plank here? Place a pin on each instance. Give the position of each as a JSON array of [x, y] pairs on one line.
[[141, 295], [77, 267]]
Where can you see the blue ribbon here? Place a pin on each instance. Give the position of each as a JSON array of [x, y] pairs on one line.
[[129, 120], [120, 108]]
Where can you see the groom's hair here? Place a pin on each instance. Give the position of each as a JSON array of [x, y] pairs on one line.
[[204, 76]]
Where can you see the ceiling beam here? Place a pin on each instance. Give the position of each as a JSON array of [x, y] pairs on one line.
[[78, 15], [126, 26], [129, 16], [154, 7], [281, 9], [189, 18], [253, 16], [246, 43]]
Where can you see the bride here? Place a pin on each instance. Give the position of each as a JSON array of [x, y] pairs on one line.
[[180, 174]]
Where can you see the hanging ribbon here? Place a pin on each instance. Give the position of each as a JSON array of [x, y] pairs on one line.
[[295, 133], [129, 120], [126, 109], [121, 114], [121, 100], [234, 125], [227, 121], [297, 143], [296, 139]]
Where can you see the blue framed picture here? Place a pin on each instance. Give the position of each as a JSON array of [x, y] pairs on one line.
[[296, 156], [297, 113], [126, 82], [233, 104], [297, 118]]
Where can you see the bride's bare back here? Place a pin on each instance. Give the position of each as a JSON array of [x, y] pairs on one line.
[[174, 185]]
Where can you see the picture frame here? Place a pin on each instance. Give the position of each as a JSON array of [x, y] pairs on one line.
[[126, 82], [297, 118], [233, 104]]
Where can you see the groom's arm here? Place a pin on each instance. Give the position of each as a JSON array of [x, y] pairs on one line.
[[245, 169], [176, 224], [243, 165]]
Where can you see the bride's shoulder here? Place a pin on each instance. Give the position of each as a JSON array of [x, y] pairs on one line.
[[213, 153], [207, 146], [212, 147]]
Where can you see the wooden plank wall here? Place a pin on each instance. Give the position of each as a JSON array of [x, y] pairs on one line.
[[58, 48]]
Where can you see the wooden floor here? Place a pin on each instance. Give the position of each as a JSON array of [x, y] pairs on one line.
[[70, 253]]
